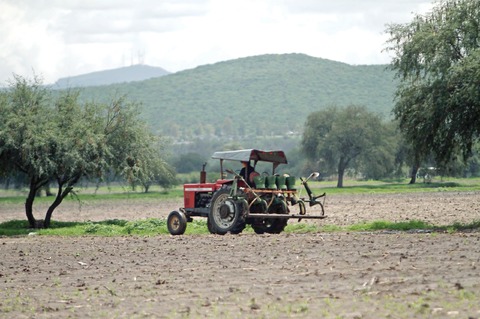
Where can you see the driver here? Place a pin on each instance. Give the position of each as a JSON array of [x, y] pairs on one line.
[[248, 172]]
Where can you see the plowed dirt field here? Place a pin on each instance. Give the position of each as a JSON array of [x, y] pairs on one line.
[[319, 275]]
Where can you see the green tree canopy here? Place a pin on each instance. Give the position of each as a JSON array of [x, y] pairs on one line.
[[54, 138], [437, 59], [349, 137], [189, 162], [149, 166]]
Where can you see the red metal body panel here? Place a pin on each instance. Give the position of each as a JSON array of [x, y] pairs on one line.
[[189, 190]]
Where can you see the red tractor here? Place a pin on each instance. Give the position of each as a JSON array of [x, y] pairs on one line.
[[230, 204]]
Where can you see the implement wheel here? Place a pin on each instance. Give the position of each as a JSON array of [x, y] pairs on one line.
[[272, 225], [176, 223]]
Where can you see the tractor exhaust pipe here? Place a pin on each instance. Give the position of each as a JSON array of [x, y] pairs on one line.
[[203, 174]]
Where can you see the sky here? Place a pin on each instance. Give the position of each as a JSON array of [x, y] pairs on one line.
[[61, 38]]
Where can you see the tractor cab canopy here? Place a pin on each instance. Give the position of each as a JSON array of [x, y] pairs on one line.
[[274, 157]]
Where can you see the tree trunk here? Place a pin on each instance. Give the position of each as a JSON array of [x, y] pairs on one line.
[[35, 185], [340, 178], [342, 165], [61, 194], [413, 176], [29, 205], [48, 191], [51, 208]]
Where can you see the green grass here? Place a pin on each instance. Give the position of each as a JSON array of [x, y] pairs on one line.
[[397, 186], [398, 226], [18, 197], [155, 227]]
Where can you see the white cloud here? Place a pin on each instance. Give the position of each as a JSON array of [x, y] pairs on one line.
[[59, 38]]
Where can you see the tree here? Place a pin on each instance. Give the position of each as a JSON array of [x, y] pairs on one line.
[[437, 59], [51, 137], [380, 161], [189, 162], [149, 166], [338, 137]]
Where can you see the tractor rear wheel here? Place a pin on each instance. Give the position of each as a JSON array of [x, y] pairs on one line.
[[225, 214], [241, 224], [176, 223], [210, 227]]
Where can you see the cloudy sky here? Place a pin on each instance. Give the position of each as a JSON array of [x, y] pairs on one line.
[[59, 38]]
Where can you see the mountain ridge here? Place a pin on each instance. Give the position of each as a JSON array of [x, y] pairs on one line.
[[136, 72]]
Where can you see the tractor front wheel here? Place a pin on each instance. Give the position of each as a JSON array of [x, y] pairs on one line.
[[176, 223]]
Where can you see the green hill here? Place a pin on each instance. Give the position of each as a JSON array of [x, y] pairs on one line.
[[261, 95]]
